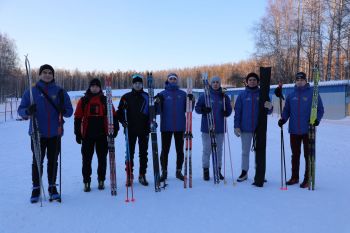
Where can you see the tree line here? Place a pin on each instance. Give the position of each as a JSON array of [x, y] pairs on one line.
[[292, 36]]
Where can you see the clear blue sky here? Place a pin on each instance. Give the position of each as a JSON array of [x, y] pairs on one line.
[[131, 34]]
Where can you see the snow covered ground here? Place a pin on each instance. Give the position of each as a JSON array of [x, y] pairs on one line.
[[204, 208]]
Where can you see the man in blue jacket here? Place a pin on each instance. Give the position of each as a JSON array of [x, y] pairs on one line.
[[219, 112], [298, 109], [171, 104], [50, 101], [246, 119]]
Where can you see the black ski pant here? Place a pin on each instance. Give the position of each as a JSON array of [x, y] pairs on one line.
[[143, 147], [51, 147], [87, 151], [179, 145], [295, 144]]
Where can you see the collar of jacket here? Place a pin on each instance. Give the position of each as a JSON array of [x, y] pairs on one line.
[[304, 88], [252, 90], [215, 92], [171, 86], [43, 84], [137, 92], [89, 94]]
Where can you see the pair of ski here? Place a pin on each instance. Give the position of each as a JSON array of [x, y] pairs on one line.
[[312, 131], [111, 146], [188, 136], [153, 127], [110, 138]]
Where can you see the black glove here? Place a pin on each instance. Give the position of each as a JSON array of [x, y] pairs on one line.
[[278, 92], [316, 123], [281, 122], [190, 96], [225, 112], [159, 98], [31, 110], [78, 139], [206, 109]]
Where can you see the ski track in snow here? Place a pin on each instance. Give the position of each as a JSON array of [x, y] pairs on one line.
[[204, 208]]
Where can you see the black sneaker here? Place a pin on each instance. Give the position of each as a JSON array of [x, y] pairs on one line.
[[206, 176], [179, 175], [87, 187], [220, 175], [142, 180], [53, 194], [243, 176], [101, 185], [258, 184], [164, 176], [304, 184], [292, 181], [35, 195]]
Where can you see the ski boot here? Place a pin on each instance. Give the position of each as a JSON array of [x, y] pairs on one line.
[[35, 194]]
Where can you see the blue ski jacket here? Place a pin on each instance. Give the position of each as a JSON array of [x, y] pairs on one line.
[[297, 109], [172, 109], [247, 110], [217, 106], [46, 114]]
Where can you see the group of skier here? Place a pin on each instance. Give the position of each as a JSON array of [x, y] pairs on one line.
[[49, 103]]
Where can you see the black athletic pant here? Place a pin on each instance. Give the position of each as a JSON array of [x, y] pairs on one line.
[[143, 147], [295, 144], [179, 145], [51, 147], [87, 151]]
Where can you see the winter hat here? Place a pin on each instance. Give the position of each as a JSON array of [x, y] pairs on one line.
[[254, 75], [300, 75], [172, 75], [215, 79], [46, 67], [137, 78], [96, 82]]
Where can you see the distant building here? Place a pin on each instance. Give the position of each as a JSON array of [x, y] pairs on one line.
[[335, 96]]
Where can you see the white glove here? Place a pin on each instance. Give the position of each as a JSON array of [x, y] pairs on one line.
[[237, 132], [268, 105]]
